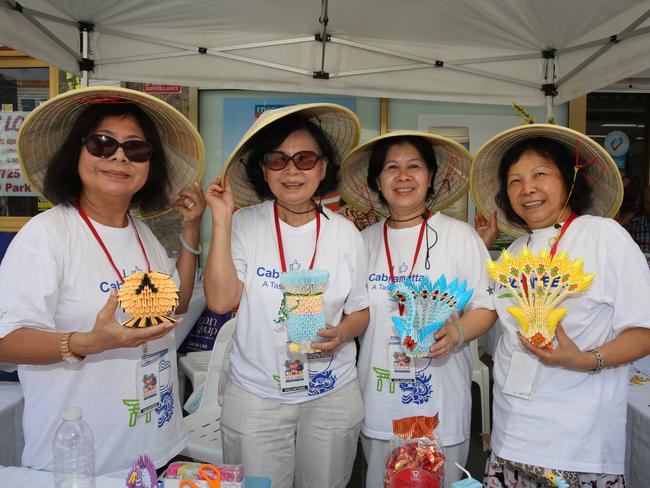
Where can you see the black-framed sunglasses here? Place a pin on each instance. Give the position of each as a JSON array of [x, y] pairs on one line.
[[303, 160], [103, 146]]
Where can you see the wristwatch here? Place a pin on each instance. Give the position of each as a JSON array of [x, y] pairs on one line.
[[66, 354]]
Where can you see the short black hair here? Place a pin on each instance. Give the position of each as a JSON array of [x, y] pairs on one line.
[[562, 157], [378, 158], [272, 136], [62, 184]]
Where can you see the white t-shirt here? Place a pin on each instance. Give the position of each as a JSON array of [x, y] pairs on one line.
[[576, 420], [55, 277], [254, 365], [442, 385]]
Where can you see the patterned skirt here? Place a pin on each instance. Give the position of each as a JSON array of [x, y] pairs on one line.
[[500, 473]]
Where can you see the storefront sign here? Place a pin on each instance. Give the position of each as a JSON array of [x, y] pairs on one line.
[[158, 88], [12, 182]]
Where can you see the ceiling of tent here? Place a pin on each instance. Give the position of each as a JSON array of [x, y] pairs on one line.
[[487, 51]]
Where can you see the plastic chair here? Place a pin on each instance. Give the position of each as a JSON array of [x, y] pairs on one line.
[[194, 365], [204, 426], [481, 376]]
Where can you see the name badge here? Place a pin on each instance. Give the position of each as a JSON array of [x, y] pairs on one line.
[[401, 367], [522, 375], [293, 370], [147, 381]]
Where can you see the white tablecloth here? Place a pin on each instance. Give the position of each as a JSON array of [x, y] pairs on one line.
[[637, 449], [11, 424]]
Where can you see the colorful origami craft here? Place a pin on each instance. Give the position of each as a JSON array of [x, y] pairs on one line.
[[302, 307], [538, 283], [427, 307], [149, 298]]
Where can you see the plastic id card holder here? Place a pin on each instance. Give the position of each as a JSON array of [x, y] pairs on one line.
[[147, 381], [522, 376], [293, 370], [401, 368]]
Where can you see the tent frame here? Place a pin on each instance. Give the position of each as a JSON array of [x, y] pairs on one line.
[[550, 88]]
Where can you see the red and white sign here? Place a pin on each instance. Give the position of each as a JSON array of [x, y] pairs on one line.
[[157, 88]]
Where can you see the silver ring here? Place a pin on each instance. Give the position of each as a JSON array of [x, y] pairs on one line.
[[190, 205]]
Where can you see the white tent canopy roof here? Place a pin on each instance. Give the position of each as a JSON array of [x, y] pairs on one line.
[[487, 51]]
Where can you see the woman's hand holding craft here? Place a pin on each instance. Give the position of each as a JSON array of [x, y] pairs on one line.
[[108, 334], [565, 354], [444, 344], [333, 339], [220, 199]]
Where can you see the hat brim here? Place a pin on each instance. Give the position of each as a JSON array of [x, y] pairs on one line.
[[450, 184], [44, 130], [601, 171], [340, 125]]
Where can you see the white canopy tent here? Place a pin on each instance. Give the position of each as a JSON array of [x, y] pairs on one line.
[[481, 51]]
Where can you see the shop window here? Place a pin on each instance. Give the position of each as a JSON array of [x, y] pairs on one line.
[[24, 84], [620, 122]]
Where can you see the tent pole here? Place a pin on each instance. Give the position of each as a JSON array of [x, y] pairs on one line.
[[86, 65], [550, 87]]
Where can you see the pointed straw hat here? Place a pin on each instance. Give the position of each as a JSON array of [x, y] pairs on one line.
[[47, 126], [599, 169], [340, 125], [450, 183]]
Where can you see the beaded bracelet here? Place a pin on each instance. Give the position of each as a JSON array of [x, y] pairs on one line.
[[599, 361], [196, 252], [461, 333]]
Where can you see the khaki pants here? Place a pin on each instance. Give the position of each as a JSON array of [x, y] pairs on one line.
[[306, 445], [377, 450]]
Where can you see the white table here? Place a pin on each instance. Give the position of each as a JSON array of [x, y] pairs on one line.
[[23, 477], [11, 424], [637, 431]]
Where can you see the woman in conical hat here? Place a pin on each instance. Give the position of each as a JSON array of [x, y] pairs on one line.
[[409, 177], [562, 408], [101, 154], [293, 419]]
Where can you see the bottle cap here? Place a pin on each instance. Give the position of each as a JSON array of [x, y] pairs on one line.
[[72, 413]]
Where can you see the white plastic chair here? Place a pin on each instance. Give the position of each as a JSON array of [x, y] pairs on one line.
[[194, 366], [204, 426], [481, 376]]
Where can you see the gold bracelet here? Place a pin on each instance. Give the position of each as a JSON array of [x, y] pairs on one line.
[[66, 354], [461, 333]]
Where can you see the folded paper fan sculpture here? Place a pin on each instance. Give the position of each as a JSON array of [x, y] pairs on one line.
[[149, 298], [427, 307], [538, 283], [302, 307]]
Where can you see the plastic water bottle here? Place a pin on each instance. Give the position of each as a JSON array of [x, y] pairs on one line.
[[73, 452]]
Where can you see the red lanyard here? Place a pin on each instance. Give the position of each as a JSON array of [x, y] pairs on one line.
[[565, 226], [415, 256], [279, 236], [90, 225]]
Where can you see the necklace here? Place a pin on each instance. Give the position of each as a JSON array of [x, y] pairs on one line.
[[315, 207], [278, 235], [422, 215]]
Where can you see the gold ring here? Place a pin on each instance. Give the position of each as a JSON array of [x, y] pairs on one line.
[[190, 205]]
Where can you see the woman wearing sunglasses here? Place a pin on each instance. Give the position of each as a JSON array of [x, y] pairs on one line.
[[295, 419], [98, 155]]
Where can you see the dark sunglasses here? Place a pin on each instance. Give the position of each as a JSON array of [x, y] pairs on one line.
[[303, 160], [103, 146]]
